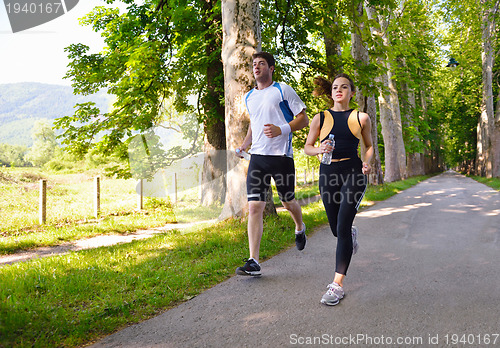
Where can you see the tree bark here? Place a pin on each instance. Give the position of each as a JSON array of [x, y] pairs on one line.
[[397, 127], [496, 149], [389, 129], [390, 115], [214, 164], [241, 38], [486, 124], [366, 103], [414, 160], [496, 141]]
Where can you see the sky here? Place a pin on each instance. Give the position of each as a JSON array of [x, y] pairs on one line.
[[37, 54]]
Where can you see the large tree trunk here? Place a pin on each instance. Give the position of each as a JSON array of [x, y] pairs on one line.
[[414, 160], [496, 141], [429, 155], [397, 128], [241, 38], [390, 116], [389, 133], [496, 152], [486, 125], [214, 164], [366, 103]]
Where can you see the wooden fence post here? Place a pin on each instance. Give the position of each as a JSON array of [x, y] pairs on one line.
[[97, 197], [139, 195], [175, 188], [42, 209], [200, 184]]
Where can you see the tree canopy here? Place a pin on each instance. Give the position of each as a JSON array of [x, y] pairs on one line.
[[166, 54]]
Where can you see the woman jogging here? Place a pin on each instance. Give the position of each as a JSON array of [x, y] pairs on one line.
[[342, 181]]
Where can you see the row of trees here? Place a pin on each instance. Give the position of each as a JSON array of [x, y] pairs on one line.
[[472, 92], [164, 52], [42, 151], [48, 154]]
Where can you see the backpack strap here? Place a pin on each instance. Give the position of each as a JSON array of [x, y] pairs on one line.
[[354, 124], [326, 124]]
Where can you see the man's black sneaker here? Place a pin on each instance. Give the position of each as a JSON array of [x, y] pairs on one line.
[[251, 268], [300, 238]]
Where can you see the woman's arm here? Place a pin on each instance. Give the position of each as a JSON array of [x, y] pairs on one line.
[[366, 134], [313, 135]]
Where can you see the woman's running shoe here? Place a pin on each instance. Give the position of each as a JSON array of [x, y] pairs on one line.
[[333, 295]]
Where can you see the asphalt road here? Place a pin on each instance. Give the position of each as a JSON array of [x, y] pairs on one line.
[[426, 275]]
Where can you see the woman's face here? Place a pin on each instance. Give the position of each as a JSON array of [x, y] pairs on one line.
[[341, 90]]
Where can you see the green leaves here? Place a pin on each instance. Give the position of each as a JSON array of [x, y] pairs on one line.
[[154, 54]]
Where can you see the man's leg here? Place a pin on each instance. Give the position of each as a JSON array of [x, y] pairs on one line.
[[255, 227], [295, 212]]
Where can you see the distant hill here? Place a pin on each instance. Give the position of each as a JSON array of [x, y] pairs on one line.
[[22, 104]]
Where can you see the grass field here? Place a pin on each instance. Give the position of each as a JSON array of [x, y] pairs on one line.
[[70, 208], [494, 183]]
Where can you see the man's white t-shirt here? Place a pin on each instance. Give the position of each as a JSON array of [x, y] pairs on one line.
[[268, 106]]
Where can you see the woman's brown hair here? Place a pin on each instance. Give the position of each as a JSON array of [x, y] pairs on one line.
[[323, 87]]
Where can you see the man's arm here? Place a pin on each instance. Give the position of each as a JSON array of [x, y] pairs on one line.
[[247, 141], [300, 121]]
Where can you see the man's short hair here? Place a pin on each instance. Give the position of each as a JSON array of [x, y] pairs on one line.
[[267, 56]]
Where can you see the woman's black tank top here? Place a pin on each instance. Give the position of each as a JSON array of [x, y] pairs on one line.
[[346, 144]]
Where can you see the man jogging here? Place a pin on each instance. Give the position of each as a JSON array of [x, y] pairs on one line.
[[275, 112]]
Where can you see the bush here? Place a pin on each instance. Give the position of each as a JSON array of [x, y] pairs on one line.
[[30, 177], [6, 178], [156, 203]]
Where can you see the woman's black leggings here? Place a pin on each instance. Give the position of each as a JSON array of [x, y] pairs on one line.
[[342, 186]]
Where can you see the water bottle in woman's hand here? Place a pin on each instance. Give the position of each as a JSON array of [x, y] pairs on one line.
[[327, 156]]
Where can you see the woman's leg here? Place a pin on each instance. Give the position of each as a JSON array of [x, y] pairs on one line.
[[352, 190], [329, 189]]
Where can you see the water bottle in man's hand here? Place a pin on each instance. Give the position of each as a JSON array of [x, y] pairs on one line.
[[243, 154]]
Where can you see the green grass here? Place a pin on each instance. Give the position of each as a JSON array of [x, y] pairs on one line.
[[302, 191], [73, 299], [491, 182]]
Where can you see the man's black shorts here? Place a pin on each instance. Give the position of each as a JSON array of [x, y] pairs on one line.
[[260, 171]]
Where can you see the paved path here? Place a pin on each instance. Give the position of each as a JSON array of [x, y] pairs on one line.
[[427, 269]]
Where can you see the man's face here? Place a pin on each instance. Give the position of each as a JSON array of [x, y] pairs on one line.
[[261, 70]]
